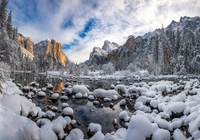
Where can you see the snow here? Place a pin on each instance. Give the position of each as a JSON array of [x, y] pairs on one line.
[[10, 88], [75, 134], [15, 127], [41, 94], [97, 136], [121, 89], [20, 105], [160, 116], [139, 128], [80, 88], [123, 115], [161, 134], [94, 127], [78, 95], [122, 102], [120, 134], [101, 93], [55, 96], [178, 135], [68, 111]]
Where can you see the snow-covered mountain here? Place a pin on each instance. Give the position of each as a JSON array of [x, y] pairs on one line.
[[170, 49], [98, 56], [109, 47], [52, 48]]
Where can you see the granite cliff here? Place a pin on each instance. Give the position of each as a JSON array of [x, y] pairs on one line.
[[53, 48]]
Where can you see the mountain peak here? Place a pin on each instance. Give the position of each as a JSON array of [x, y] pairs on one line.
[[109, 47]]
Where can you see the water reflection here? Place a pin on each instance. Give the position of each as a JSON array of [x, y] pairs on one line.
[[84, 110]]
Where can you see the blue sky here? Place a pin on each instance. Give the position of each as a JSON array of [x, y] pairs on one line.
[[82, 24]]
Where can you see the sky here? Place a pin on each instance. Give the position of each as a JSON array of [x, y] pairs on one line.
[[82, 24]]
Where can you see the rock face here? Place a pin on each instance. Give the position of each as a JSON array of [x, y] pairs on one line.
[[99, 56], [53, 48], [25, 42]]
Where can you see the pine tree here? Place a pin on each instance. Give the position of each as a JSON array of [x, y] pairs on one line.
[[177, 42], [3, 13], [9, 25], [155, 46]]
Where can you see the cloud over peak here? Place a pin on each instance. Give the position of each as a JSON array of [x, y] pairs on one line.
[[82, 24]]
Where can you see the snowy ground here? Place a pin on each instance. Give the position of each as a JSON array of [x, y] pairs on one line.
[[164, 110]]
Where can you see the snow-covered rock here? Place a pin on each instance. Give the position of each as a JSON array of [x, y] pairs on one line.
[[139, 128], [75, 134], [80, 89]]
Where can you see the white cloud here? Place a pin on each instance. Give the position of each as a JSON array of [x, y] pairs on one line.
[[116, 20]]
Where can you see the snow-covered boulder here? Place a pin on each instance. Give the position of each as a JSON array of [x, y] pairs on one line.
[[78, 95], [123, 115], [67, 111], [15, 127], [121, 89], [139, 128], [79, 89], [20, 105], [41, 94], [101, 93], [75, 134], [120, 134], [10, 88]]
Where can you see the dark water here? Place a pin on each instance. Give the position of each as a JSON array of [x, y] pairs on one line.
[[84, 110]]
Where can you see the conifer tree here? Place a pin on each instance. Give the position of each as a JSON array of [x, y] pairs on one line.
[[9, 25], [3, 13]]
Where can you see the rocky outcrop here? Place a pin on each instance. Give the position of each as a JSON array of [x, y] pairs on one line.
[[25, 42], [52, 48], [99, 56], [109, 47]]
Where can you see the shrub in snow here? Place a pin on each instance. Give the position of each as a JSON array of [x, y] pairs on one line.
[[68, 111], [108, 68], [123, 115], [139, 128], [121, 89], [4, 72], [75, 134], [80, 88]]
